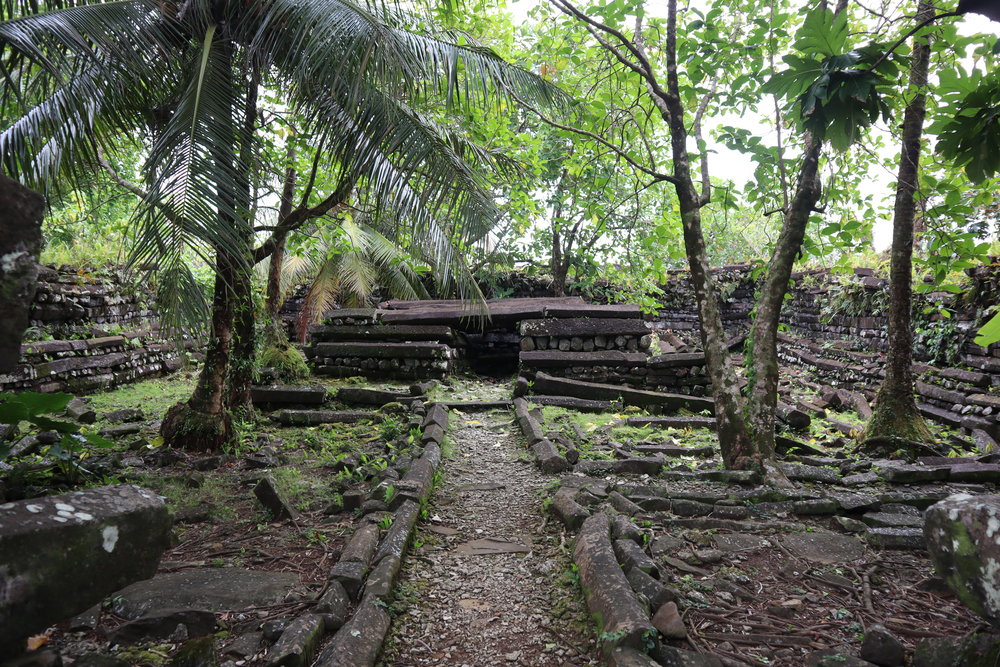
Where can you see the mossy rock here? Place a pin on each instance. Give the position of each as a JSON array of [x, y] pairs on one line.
[[286, 362]]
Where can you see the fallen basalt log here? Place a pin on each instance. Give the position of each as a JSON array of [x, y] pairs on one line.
[[641, 397]]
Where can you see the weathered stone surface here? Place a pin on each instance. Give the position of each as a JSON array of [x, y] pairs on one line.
[[963, 539], [399, 333], [271, 497], [629, 657], [609, 597], [567, 328], [881, 647], [583, 405], [548, 384], [973, 651], [910, 474], [286, 394], [333, 605], [547, 457], [555, 359], [567, 510], [384, 350], [630, 555], [831, 658], [672, 422], [668, 621], [162, 624], [298, 643], [21, 210], [397, 538], [61, 554], [806, 473], [79, 410], [361, 547], [668, 656], [351, 575], [824, 547], [358, 643], [650, 589], [212, 589], [313, 417]]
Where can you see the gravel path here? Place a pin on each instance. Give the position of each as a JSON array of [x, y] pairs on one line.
[[460, 608]]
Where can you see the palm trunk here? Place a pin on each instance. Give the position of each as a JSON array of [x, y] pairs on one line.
[[896, 414], [243, 365], [203, 423], [272, 301]]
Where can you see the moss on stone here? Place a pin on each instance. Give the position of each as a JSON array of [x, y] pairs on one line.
[[286, 362]]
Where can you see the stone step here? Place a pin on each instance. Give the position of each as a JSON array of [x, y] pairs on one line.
[[285, 394], [313, 417], [568, 328], [559, 359], [418, 350], [388, 332]]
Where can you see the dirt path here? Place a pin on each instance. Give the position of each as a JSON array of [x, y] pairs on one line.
[[462, 608]]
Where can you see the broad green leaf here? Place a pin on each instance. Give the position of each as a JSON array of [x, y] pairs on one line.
[[989, 333]]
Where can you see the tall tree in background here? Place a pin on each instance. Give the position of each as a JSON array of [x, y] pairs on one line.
[[836, 90], [895, 414]]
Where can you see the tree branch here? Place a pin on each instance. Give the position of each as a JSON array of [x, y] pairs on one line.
[[599, 139]]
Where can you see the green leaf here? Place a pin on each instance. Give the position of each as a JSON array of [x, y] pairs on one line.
[[823, 33], [989, 333]]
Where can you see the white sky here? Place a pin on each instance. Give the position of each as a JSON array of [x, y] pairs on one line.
[[735, 166]]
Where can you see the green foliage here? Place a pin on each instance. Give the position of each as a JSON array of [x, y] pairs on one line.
[[971, 136], [836, 89], [36, 409], [990, 332], [390, 428]]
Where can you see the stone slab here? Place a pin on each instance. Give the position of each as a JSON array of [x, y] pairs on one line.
[[548, 384], [211, 589]]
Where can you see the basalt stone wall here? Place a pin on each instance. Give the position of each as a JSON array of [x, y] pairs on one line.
[[99, 330]]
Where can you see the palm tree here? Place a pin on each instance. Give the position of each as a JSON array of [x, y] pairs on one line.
[[348, 268], [187, 75]]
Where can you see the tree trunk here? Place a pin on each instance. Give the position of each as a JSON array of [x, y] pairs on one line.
[[763, 362], [203, 423], [242, 368], [738, 449], [272, 299], [895, 414]]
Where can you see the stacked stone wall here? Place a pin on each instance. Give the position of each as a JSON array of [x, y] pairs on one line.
[[91, 330]]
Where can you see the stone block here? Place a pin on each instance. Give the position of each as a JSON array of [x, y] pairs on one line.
[[61, 554]]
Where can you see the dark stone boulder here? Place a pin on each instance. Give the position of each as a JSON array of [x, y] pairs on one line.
[[61, 554], [21, 210]]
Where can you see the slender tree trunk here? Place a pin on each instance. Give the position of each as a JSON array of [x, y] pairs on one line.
[[272, 299], [738, 449], [763, 366], [557, 265], [896, 414], [203, 423]]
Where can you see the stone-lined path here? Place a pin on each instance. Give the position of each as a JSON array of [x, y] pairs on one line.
[[520, 605]]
